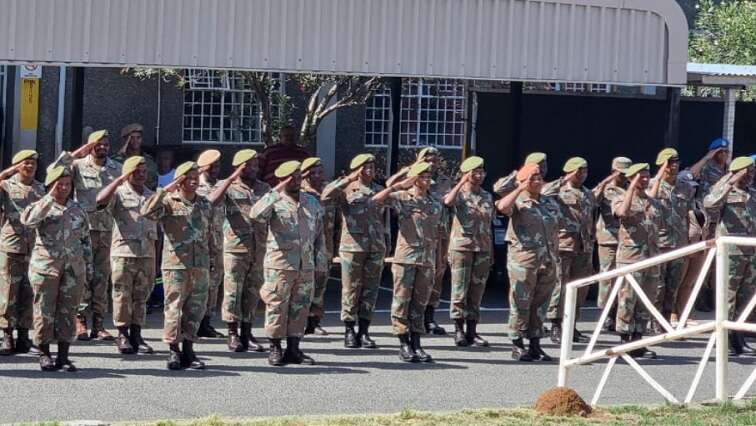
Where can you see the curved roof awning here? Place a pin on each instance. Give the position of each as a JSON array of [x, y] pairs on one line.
[[599, 41]]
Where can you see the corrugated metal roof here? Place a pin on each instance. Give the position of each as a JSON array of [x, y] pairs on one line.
[[722, 70], [603, 41]]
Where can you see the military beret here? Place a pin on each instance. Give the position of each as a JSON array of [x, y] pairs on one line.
[[635, 168], [621, 163], [535, 158], [309, 163], [97, 136], [741, 163], [527, 171], [131, 128], [361, 159], [23, 155], [243, 156], [719, 143], [185, 168], [428, 150], [574, 163], [54, 173], [418, 168], [287, 169], [208, 157], [665, 155], [131, 164], [471, 163]]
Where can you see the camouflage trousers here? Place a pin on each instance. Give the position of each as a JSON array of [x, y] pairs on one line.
[[16, 295], [670, 278], [55, 301], [632, 315], [95, 298], [287, 296], [469, 274], [607, 261], [742, 284], [217, 277], [360, 280], [574, 265], [185, 303], [242, 279], [133, 280], [412, 288], [530, 288], [442, 263], [317, 308]]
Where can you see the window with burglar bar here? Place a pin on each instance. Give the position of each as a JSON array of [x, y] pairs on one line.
[[432, 113]]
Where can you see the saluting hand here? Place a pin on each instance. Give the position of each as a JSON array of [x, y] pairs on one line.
[[282, 185], [237, 172], [634, 182], [352, 177], [175, 184], [10, 171], [406, 183], [737, 177]]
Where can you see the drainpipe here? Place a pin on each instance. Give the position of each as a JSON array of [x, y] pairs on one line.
[[61, 110]]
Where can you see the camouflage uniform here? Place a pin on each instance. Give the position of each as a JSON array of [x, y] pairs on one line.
[[532, 262], [363, 247], [607, 229], [323, 258], [243, 252], [16, 242], [132, 255], [60, 265], [470, 252], [637, 240], [186, 228], [414, 258], [294, 236], [440, 187], [149, 163], [710, 175], [216, 247]]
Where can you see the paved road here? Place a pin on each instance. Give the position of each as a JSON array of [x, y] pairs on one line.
[[111, 387]]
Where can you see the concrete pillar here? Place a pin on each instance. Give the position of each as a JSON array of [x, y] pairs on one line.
[[728, 126]]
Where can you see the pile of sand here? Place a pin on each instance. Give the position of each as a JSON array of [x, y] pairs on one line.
[[562, 402]]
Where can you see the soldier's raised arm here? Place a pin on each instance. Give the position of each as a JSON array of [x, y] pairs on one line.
[[450, 199], [36, 213], [154, 208], [715, 200], [218, 193], [505, 185], [335, 190], [263, 208]]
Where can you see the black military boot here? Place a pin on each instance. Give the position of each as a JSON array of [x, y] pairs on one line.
[[137, 341], [556, 332], [472, 336], [174, 357], [6, 347], [736, 346], [294, 355], [61, 361], [747, 349], [536, 351], [275, 357], [45, 360], [422, 356], [364, 336], [234, 343], [123, 341], [319, 330], [207, 330], [23, 343], [406, 352], [519, 353], [641, 352], [351, 339], [578, 337], [310, 329], [252, 343], [189, 358], [81, 328], [98, 330], [459, 332], [431, 326]]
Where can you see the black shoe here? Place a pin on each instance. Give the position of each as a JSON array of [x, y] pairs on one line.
[[23, 344], [556, 333], [747, 349], [7, 344], [736, 346], [45, 360], [293, 355], [422, 356], [364, 336], [471, 334], [318, 329], [234, 343], [207, 330], [578, 337], [431, 326], [459, 333], [275, 357], [189, 358], [123, 342], [174, 357], [406, 353], [536, 352], [137, 341], [61, 361], [249, 340], [641, 352], [519, 353], [310, 329], [350, 337]]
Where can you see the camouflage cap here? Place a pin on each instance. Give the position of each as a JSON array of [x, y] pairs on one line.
[[185, 168], [208, 157], [361, 159], [55, 172], [132, 163], [527, 171], [471, 163], [428, 150], [243, 156], [535, 158], [287, 169], [635, 168], [621, 163], [23, 155], [741, 163], [719, 144], [309, 163], [418, 168], [686, 177], [131, 128], [665, 154], [574, 163], [97, 136]]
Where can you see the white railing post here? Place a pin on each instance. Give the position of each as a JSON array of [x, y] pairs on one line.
[[568, 328], [722, 271]]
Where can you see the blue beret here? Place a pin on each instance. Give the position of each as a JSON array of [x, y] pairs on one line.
[[719, 143]]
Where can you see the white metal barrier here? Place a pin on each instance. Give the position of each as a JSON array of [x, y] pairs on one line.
[[718, 328]]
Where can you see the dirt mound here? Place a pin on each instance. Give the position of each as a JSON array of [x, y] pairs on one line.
[[562, 402]]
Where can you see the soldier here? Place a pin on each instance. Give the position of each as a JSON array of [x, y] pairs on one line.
[[132, 253], [18, 189], [131, 146], [185, 218], [363, 247], [470, 250], [92, 170], [532, 259], [734, 203], [607, 228], [508, 183], [312, 183], [209, 164], [293, 219], [243, 249], [60, 265], [413, 269], [576, 238], [639, 218]]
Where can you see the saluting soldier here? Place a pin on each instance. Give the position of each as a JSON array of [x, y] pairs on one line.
[[60, 266], [185, 218], [132, 254], [470, 249], [18, 189], [132, 138], [295, 234], [363, 247], [508, 183]]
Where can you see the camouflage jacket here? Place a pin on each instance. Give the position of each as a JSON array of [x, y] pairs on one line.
[[439, 188], [14, 198], [710, 175], [323, 259], [418, 219], [294, 230], [218, 216], [149, 163], [88, 180], [576, 207], [675, 207], [240, 233], [61, 238], [736, 209], [472, 215], [505, 185], [607, 225], [533, 230], [133, 234], [363, 222], [186, 227], [638, 230]]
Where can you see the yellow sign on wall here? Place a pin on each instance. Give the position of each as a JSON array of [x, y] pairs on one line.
[[29, 107]]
